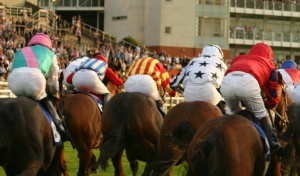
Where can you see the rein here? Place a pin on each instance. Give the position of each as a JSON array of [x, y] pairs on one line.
[[281, 116]]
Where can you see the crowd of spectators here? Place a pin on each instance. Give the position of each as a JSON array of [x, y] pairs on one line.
[[15, 34]]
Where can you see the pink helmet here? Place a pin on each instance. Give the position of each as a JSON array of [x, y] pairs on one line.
[[41, 39]]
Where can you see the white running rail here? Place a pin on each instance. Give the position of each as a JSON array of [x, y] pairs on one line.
[[170, 101], [4, 91]]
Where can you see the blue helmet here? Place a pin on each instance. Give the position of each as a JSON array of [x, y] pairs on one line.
[[289, 64]]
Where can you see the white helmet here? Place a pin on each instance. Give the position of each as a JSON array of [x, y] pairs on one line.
[[212, 50]]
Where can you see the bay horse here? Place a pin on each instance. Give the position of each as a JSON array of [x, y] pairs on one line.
[[291, 156], [26, 142], [232, 145], [179, 127], [131, 122], [227, 146], [83, 120]]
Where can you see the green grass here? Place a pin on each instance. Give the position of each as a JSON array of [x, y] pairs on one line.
[[72, 164]]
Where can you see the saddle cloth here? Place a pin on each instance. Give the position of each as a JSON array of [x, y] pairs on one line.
[[265, 139], [56, 136], [97, 100]]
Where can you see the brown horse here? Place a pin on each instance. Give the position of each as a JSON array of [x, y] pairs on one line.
[[232, 139], [227, 146], [290, 159], [130, 122], [26, 140], [83, 120], [179, 127]]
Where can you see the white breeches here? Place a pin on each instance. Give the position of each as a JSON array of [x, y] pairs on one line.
[[143, 84], [29, 82], [88, 81]]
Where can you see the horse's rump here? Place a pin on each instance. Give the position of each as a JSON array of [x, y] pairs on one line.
[[179, 127], [183, 120], [25, 137], [129, 121], [83, 119], [226, 146]]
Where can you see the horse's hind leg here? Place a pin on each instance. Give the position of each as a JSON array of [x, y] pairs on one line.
[[117, 163], [84, 163], [134, 165]]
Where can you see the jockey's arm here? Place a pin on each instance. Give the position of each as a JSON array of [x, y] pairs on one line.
[[177, 80], [52, 77], [112, 77], [170, 91], [271, 91], [70, 77]]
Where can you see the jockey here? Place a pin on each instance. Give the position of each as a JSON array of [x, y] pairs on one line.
[[202, 77], [145, 75], [89, 75], [291, 77], [30, 68], [243, 81], [70, 68]]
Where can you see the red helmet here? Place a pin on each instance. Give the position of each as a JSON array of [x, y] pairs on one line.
[[41, 39], [101, 57]]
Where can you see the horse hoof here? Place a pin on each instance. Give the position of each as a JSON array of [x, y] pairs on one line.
[[94, 171]]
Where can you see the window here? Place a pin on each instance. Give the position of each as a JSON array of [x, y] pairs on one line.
[[119, 18], [168, 30], [209, 26]]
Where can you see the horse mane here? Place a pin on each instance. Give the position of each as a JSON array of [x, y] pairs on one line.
[[208, 154]]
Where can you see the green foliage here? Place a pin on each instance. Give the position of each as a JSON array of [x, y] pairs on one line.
[[128, 41], [112, 38]]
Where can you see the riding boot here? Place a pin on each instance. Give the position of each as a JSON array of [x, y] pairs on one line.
[[267, 127], [106, 98], [160, 108], [222, 106], [47, 104]]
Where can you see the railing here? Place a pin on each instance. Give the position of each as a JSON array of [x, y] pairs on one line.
[[267, 5], [4, 91], [90, 31], [18, 12], [170, 101]]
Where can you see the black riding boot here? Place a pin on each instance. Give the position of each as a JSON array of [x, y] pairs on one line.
[[106, 98], [160, 108], [222, 106], [47, 104], [267, 127]]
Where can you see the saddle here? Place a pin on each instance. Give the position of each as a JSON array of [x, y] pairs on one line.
[[97, 98], [255, 121]]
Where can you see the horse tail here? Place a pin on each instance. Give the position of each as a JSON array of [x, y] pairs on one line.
[[180, 137], [208, 155], [113, 142]]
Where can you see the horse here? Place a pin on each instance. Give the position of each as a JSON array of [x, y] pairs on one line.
[[131, 122], [82, 118], [227, 146], [26, 141], [179, 127], [232, 146], [290, 157]]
